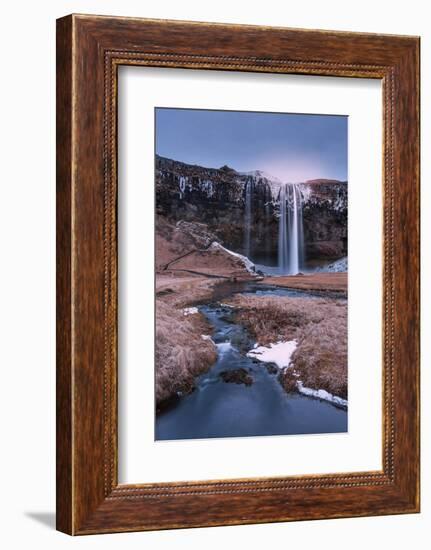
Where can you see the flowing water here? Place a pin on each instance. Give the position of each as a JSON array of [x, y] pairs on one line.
[[290, 230], [220, 409], [247, 217]]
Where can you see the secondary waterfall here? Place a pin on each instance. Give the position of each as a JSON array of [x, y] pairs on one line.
[[247, 217], [290, 230]]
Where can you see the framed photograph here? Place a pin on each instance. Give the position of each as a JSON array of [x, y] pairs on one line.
[[237, 274]]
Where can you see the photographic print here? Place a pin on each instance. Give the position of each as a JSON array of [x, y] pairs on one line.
[[251, 266]]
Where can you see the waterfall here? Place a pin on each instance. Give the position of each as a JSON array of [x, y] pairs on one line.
[[290, 230], [182, 185], [247, 217], [282, 232], [268, 217]]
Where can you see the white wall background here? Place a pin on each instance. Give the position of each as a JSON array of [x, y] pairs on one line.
[[27, 308]]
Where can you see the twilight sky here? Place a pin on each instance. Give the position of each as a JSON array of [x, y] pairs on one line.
[[289, 146]]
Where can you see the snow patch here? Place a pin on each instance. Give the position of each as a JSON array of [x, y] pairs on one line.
[[322, 394], [305, 192], [249, 265], [259, 177], [338, 266], [279, 353], [190, 311], [261, 174]]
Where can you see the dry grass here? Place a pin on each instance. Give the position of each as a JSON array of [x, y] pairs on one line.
[[181, 291], [320, 327], [184, 246], [336, 282], [181, 353], [321, 356]]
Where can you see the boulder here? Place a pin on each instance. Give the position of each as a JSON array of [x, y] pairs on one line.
[[237, 376]]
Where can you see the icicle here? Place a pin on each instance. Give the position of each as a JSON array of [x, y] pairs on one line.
[[182, 186]]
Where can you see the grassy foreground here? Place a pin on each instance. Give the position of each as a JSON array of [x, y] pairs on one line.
[[181, 352], [319, 325]]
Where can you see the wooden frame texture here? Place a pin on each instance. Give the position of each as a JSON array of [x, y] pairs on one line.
[[89, 51]]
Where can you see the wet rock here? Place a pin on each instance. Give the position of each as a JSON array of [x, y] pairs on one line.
[[226, 319], [237, 376], [227, 316], [288, 381], [164, 292], [272, 369], [240, 340]]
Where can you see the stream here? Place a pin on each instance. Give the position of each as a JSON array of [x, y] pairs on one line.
[[225, 409]]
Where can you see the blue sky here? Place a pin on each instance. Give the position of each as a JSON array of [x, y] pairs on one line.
[[292, 147]]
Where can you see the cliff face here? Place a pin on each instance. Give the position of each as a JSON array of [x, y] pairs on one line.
[[325, 218], [222, 197]]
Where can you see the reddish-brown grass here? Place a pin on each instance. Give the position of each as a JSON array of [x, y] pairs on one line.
[[320, 281], [181, 352], [319, 326]]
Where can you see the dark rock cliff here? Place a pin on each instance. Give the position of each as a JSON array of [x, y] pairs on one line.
[[217, 197]]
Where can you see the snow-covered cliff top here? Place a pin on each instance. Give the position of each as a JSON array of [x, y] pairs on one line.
[[208, 180]]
